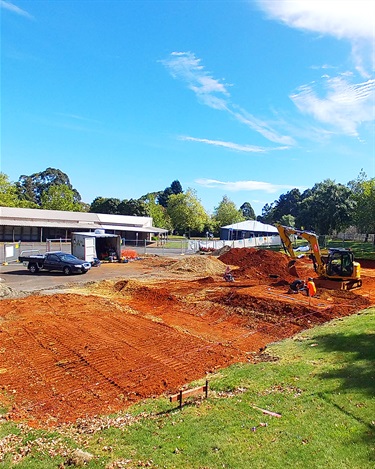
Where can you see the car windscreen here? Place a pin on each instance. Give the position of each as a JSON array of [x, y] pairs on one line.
[[68, 258]]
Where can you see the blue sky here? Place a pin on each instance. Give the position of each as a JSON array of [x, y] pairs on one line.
[[247, 99]]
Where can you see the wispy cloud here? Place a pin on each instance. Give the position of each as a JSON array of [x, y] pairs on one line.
[[343, 106], [235, 186], [15, 9], [210, 91], [77, 117], [232, 146], [214, 93], [263, 128]]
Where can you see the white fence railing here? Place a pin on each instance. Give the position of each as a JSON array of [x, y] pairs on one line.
[[261, 241]]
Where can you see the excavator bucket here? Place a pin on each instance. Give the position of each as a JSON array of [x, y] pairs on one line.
[[292, 268]]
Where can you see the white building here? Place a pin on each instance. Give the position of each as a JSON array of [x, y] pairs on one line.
[[27, 224], [247, 229]]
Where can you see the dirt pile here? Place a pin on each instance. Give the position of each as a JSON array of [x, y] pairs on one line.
[[203, 265], [258, 264]]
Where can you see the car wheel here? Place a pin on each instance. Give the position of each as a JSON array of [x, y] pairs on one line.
[[67, 270], [34, 269]]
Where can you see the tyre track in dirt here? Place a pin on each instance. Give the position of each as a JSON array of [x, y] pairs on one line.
[[96, 360], [72, 355]]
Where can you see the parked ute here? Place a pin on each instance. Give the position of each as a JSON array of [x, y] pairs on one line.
[[60, 261]]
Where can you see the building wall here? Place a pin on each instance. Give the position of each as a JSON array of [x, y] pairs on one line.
[[41, 234]]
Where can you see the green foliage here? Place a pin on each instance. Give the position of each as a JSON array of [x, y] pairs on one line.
[[288, 220], [8, 192], [364, 196], [186, 212], [134, 207], [9, 195], [105, 205], [287, 204], [226, 213], [247, 211], [328, 207], [174, 189], [267, 214], [32, 187], [60, 197], [158, 213]]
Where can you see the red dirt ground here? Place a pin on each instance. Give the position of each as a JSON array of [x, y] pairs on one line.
[[95, 350]]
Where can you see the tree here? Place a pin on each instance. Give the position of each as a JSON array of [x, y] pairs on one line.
[[187, 212], [174, 189], [8, 192], [32, 187], [326, 208], [164, 197], [247, 211], [60, 197], [9, 195], [267, 214], [134, 207], [157, 212], [288, 220], [287, 204], [364, 196], [226, 213], [105, 205]]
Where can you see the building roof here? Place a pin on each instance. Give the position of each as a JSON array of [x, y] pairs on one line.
[[251, 225], [12, 216]]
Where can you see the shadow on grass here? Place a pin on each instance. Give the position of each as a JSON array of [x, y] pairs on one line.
[[358, 370], [356, 374]]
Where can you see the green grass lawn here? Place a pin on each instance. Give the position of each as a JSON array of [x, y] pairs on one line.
[[322, 384], [360, 250]]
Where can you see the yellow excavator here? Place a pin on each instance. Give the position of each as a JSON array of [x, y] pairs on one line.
[[337, 271]]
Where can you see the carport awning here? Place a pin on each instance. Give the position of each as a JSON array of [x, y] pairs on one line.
[[135, 229], [50, 224], [79, 225]]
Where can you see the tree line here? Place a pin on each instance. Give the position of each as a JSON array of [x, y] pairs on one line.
[[326, 208]]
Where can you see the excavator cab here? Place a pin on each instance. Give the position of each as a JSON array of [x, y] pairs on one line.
[[340, 263]]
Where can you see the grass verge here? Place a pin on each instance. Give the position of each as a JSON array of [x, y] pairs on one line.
[[322, 384]]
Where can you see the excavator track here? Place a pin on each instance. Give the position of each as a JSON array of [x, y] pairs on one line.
[[350, 284]]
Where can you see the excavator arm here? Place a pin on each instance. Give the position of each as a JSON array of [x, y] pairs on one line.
[[286, 232]]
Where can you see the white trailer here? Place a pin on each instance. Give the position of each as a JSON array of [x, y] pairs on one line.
[[96, 245]]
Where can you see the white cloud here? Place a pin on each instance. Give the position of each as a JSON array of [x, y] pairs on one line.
[[343, 106], [235, 186], [351, 19], [232, 146], [15, 9], [185, 66], [213, 93], [262, 128]]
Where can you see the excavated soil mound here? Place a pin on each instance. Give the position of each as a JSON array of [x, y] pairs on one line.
[[258, 264], [203, 265]]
